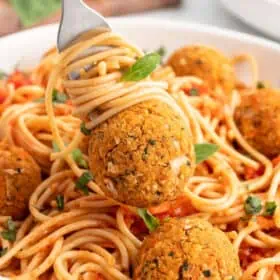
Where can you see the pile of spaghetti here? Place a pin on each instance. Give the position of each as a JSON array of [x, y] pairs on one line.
[[73, 231]]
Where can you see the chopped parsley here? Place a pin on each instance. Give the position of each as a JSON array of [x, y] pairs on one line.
[[269, 208], [260, 85], [3, 252], [252, 205], [193, 92], [55, 147], [142, 68], [83, 181], [150, 221], [145, 154], [184, 267], [171, 254], [84, 130], [3, 75], [207, 273], [152, 142], [59, 97], [204, 151], [79, 159], [60, 202], [10, 233], [161, 51]]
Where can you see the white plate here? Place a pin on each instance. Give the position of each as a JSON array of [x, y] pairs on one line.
[[27, 47], [261, 14]]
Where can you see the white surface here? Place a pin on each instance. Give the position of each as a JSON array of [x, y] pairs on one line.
[[28, 46], [261, 14], [210, 12]]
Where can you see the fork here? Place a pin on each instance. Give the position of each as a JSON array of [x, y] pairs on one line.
[[76, 19]]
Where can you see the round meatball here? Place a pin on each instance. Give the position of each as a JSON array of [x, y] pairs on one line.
[[19, 176], [206, 63], [187, 249], [143, 155], [258, 119]]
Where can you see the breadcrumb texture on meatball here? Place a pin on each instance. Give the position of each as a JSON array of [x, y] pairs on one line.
[[187, 249], [143, 155], [258, 119], [206, 63], [19, 176]]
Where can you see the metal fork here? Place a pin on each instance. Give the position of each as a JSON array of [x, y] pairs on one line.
[[77, 18]]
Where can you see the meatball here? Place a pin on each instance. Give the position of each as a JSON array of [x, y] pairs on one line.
[[187, 249], [19, 176], [143, 155], [206, 63], [258, 119]]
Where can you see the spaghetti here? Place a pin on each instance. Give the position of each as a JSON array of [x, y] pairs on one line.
[[94, 237]]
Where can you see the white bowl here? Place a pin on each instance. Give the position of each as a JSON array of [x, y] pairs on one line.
[[260, 14], [27, 47]]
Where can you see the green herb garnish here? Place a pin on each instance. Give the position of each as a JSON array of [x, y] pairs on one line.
[[150, 221], [142, 68], [260, 85], [207, 273], [152, 142], [3, 252], [252, 205], [10, 233], [79, 159], [3, 75], [32, 11], [60, 202], [59, 97], [161, 51], [84, 130], [193, 92], [83, 181], [55, 147], [269, 208], [204, 151]]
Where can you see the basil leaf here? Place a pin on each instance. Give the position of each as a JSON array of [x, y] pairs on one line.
[[142, 68], [32, 11], [269, 208], [10, 233], [79, 159], [150, 221], [83, 181], [204, 151], [252, 205], [60, 202]]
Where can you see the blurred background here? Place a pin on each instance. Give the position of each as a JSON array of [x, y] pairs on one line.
[[16, 15]]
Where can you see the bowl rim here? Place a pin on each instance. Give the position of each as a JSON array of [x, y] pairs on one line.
[[165, 23]]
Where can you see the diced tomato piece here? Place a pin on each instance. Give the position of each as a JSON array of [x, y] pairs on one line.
[[265, 223], [251, 173], [19, 79], [181, 207], [276, 161], [3, 95]]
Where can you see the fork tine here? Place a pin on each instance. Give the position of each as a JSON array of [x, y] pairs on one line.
[[77, 18]]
